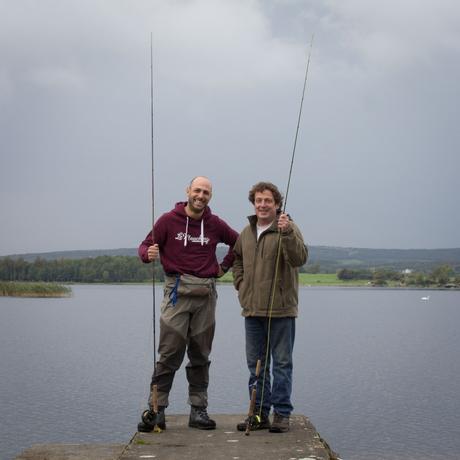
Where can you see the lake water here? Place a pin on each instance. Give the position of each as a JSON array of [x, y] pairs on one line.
[[377, 371]]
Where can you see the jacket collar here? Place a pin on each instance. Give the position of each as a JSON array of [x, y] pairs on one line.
[[253, 223]]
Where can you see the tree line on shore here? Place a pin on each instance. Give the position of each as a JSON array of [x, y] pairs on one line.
[[441, 276], [117, 269], [103, 269]]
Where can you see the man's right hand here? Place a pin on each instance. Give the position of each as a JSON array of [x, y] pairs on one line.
[[153, 252]]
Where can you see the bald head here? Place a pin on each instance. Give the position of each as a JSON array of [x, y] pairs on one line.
[[199, 192], [201, 179]]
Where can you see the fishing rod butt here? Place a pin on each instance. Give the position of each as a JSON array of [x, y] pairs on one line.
[[153, 403], [252, 404], [154, 398]]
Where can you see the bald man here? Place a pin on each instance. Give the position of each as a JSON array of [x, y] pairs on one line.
[[185, 240]]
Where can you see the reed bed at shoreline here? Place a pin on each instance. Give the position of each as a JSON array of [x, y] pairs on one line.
[[33, 289]]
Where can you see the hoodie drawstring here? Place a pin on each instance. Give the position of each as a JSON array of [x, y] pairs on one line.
[[186, 233], [201, 234]]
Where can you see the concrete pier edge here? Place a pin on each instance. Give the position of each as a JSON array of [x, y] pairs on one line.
[[178, 441]]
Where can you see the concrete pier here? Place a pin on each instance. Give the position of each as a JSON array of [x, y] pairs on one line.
[[178, 441]]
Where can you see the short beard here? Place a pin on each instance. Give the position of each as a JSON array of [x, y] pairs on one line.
[[192, 207]]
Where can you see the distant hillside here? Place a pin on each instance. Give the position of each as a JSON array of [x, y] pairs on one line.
[[330, 259], [333, 258], [81, 254]]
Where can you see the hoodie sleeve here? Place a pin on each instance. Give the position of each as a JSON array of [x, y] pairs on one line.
[[144, 246], [159, 232], [228, 237]]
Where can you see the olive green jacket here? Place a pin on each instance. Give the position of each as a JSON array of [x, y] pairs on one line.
[[254, 270]]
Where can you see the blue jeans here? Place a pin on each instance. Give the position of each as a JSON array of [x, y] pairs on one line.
[[281, 345]]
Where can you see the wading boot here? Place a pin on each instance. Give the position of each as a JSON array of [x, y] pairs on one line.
[[280, 424], [199, 418], [150, 420], [255, 422]]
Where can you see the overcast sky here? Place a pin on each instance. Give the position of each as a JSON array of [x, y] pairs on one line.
[[378, 155]]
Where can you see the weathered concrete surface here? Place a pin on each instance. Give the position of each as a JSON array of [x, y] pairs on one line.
[[73, 452], [179, 441]]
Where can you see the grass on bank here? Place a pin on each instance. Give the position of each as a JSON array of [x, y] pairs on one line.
[[328, 279], [32, 289], [308, 279]]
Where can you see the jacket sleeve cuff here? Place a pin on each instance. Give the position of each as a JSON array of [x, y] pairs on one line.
[[289, 231]]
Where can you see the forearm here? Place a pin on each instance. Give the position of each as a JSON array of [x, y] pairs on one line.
[[229, 238]]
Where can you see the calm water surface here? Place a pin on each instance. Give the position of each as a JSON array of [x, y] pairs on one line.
[[377, 371]]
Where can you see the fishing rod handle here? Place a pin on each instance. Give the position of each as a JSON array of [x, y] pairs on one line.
[[258, 366]]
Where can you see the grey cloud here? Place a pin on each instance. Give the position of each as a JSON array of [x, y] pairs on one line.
[[377, 150]]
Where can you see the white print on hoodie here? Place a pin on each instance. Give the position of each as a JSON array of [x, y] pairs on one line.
[[193, 239]]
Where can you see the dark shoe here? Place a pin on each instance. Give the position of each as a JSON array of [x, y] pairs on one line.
[[199, 418], [256, 423], [280, 424], [150, 420]]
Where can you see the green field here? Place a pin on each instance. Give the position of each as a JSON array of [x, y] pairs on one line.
[[308, 279], [327, 279]]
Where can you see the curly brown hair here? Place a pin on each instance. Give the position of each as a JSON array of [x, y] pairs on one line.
[[261, 187]]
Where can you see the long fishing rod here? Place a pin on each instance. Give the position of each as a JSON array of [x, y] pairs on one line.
[[298, 125], [154, 389], [278, 251], [153, 195]]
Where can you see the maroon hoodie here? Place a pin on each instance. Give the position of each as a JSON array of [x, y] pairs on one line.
[[188, 245]]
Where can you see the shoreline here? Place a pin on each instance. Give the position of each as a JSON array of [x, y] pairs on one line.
[[301, 285], [31, 289]]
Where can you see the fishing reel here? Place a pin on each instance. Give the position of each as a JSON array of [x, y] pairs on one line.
[[253, 420], [150, 420]]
